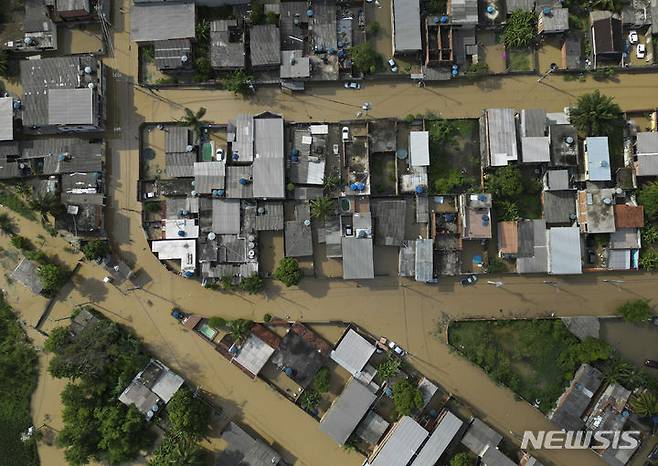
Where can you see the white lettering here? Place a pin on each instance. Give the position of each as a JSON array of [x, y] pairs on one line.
[[535, 441], [577, 440], [553, 439]]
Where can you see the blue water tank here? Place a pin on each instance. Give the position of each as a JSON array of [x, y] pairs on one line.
[[244, 181], [491, 9], [354, 187], [235, 156], [181, 233], [444, 19], [420, 189]]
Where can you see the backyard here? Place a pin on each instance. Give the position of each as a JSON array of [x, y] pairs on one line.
[[535, 359], [454, 156], [383, 174]]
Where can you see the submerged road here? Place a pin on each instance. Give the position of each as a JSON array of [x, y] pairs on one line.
[[408, 312]]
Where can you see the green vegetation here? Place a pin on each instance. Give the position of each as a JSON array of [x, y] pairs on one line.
[[509, 211], [389, 367], [95, 249], [288, 271], [322, 207], [45, 204], [252, 284], [536, 359], [649, 259], [217, 322], [239, 329], [462, 459], [52, 276], [648, 197], [7, 225], [12, 199], [238, 82], [373, 28], [257, 15], [604, 73], [505, 182], [496, 265], [476, 71], [178, 450], [519, 60], [4, 64], [267, 317], [596, 114], [365, 59], [331, 182], [520, 30], [453, 159], [202, 69], [18, 379], [22, 243], [187, 414], [407, 397], [609, 5], [272, 18], [645, 404], [516, 195], [309, 400], [322, 380], [195, 120], [100, 361], [638, 310]]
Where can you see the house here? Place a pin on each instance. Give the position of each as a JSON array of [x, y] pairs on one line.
[[294, 65], [508, 238], [353, 352], [564, 256], [79, 10], [6, 119], [573, 403], [559, 207], [638, 13], [39, 30], [372, 428], [532, 253], [597, 159], [571, 52], [243, 449], [564, 145], [227, 51], [256, 350], [535, 149], [151, 388], [525, 5], [179, 250], [483, 441], [348, 410], [309, 154], [269, 216], [628, 216], [162, 20], [424, 261], [265, 46], [607, 40], [533, 123], [647, 154], [553, 20], [298, 238], [406, 26], [269, 163], [475, 215], [173, 55], [419, 148], [446, 431], [400, 444], [358, 262], [557, 180], [624, 249], [498, 137], [63, 94], [595, 208], [26, 273], [390, 222], [463, 12]]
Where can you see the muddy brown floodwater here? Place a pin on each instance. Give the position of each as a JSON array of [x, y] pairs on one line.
[[635, 342]]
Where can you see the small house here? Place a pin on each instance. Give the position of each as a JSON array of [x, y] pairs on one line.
[[607, 38], [406, 26]]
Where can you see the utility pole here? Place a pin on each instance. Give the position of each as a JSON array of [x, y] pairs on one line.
[[553, 68]]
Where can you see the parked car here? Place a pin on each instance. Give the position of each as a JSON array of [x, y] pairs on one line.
[[352, 85], [653, 455], [345, 134], [651, 363], [178, 314], [632, 37], [396, 349], [336, 149], [640, 50], [469, 280], [393, 65], [219, 154]]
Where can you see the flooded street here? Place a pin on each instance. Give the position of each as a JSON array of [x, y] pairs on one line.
[[635, 342], [407, 312]]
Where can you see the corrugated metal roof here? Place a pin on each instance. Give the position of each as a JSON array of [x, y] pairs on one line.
[[243, 449], [294, 65], [6, 118], [439, 441], [80, 156], [419, 148], [495, 457], [400, 444], [71, 107], [535, 149], [323, 25], [162, 21], [179, 164], [424, 265], [357, 258], [298, 239], [226, 45], [8, 170], [501, 134], [647, 142], [647, 165], [390, 217], [173, 54], [265, 45], [619, 259], [559, 207], [406, 26], [209, 176], [177, 138], [73, 5], [463, 11], [525, 5], [333, 237], [269, 216], [598, 158], [533, 122], [564, 250], [347, 411], [353, 352], [479, 437], [268, 166], [226, 216], [234, 189], [243, 145]]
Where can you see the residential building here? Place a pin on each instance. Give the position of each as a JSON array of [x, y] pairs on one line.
[[269, 163], [532, 253], [390, 222], [559, 207], [553, 20], [353, 352], [400, 445], [575, 400], [358, 262], [243, 449], [597, 159], [475, 215], [173, 55], [227, 50], [463, 12], [557, 180], [406, 26], [483, 441], [6, 119], [162, 20], [607, 40], [265, 46], [595, 208], [498, 137], [419, 148], [564, 145], [508, 239], [647, 154], [564, 256], [39, 32], [294, 65], [424, 261]]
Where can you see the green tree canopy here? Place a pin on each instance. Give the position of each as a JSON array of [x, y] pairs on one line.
[[46, 204], [123, 432], [505, 182], [217, 322], [194, 120], [520, 29], [406, 397], [239, 329], [645, 404], [238, 82], [461, 459], [322, 380], [648, 197], [22, 243], [95, 249], [178, 450], [53, 277], [7, 225], [188, 414], [638, 310], [252, 284], [322, 207], [288, 271], [389, 367], [309, 399], [364, 58], [595, 114]]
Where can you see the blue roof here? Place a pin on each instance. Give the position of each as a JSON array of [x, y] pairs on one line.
[[598, 159]]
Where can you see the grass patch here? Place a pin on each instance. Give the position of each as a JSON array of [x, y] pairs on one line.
[[454, 156], [13, 201], [519, 60], [536, 359], [18, 379]]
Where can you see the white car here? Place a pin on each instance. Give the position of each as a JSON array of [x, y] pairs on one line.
[[336, 149], [352, 85], [393, 65], [396, 349], [640, 50], [219, 155], [632, 37], [345, 134]]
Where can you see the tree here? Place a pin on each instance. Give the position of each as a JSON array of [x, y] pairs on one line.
[[616, 370], [239, 82], [257, 15], [288, 271], [52, 278], [648, 197], [188, 414], [309, 400], [461, 459], [252, 284], [585, 352], [322, 207], [505, 182], [608, 5], [520, 29], [239, 329], [7, 225], [509, 211], [649, 235], [45, 204], [271, 18], [595, 114], [95, 249], [649, 259], [123, 431], [322, 380], [22, 243], [373, 28], [195, 120], [389, 367], [331, 182], [638, 310], [217, 322], [406, 397], [364, 58], [177, 450], [442, 132], [645, 404], [477, 70]]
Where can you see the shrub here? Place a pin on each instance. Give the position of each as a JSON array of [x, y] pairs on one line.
[[322, 380], [22, 243], [649, 259], [52, 278], [309, 400], [477, 70], [389, 367], [648, 197], [288, 271], [252, 284], [505, 182], [638, 310], [406, 398], [267, 317], [95, 250], [153, 207], [365, 58], [238, 82], [461, 459], [520, 29], [496, 265], [188, 414], [373, 28], [217, 322]]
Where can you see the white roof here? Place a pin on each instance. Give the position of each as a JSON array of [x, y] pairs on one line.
[[353, 352], [254, 354], [598, 159], [438, 442], [564, 250], [185, 225], [162, 21], [183, 250], [6, 119], [167, 385], [71, 106], [406, 26], [535, 149], [419, 148], [319, 129], [401, 443]]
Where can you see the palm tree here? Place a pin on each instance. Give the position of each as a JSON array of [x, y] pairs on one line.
[[645, 404], [7, 224], [45, 204], [595, 114], [608, 5], [322, 207], [239, 329], [616, 370], [186, 453], [331, 182], [195, 120]]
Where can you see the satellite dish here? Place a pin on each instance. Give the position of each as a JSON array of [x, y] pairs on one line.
[[211, 236], [88, 70], [184, 59], [307, 222], [91, 85]]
